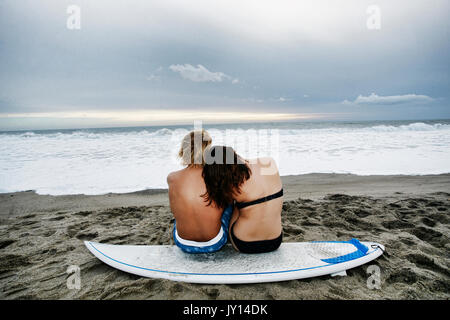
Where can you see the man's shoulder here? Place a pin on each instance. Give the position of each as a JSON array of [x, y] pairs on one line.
[[174, 176]]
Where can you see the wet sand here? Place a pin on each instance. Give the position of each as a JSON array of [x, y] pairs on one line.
[[41, 235]]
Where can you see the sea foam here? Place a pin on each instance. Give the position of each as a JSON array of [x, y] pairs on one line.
[[105, 160]]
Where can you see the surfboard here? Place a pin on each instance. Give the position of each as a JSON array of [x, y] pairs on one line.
[[292, 260]]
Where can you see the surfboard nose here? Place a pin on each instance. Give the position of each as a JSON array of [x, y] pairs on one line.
[[376, 245], [381, 247]]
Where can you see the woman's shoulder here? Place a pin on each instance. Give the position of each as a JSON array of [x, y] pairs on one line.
[[262, 161], [267, 165]]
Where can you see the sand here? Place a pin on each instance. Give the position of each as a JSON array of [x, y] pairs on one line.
[[41, 236]]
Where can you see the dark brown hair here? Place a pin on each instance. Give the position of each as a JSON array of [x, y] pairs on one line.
[[223, 172]]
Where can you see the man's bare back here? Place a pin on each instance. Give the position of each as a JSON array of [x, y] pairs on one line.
[[195, 220]]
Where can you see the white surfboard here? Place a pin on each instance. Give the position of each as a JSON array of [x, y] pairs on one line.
[[293, 260]]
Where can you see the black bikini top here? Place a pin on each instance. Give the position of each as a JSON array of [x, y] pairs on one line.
[[241, 205]]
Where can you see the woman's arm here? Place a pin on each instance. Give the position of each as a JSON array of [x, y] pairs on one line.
[[234, 218]]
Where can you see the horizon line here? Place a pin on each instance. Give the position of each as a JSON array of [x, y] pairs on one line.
[[221, 123]]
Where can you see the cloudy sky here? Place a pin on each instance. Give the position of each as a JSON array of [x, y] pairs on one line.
[[149, 62]]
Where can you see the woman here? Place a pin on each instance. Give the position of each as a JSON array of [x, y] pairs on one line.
[[198, 228], [256, 188]]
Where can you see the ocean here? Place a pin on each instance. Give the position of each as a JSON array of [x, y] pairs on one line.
[[103, 160]]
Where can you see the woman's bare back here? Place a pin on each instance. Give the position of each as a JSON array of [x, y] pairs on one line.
[[260, 221]]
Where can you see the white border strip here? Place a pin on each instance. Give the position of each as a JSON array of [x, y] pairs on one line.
[[197, 243]]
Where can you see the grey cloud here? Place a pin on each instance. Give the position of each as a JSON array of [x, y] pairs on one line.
[[199, 73], [374, 99]]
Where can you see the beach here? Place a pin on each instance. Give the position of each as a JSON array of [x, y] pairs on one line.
[[42, 235], [102, 101]]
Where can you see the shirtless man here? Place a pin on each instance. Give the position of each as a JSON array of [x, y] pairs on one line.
[[198, 227]]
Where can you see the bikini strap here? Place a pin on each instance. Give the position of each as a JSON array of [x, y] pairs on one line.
[[241, 205]]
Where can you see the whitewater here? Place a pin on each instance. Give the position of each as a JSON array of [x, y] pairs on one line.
[[99, 161]]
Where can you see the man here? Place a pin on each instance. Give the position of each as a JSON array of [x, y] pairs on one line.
[[198, 227]]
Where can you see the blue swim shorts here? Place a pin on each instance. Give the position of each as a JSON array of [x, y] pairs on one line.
[[212, 245]]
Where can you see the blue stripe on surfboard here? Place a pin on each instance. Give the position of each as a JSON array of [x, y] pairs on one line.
[[215, 274], [361, 251], [348, 257]]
